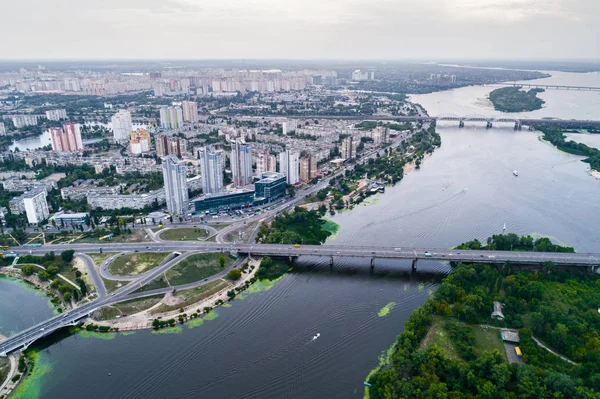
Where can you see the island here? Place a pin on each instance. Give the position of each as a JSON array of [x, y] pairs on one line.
[[498, 331], [513, 99]]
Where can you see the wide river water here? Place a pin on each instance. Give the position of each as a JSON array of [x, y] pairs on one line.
[[260, 346]]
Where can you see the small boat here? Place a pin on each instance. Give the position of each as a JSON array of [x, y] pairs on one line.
[[515, 173]]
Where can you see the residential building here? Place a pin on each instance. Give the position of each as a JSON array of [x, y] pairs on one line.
[[241, 163], [171, 117], [270, 186], [24, 120], [346, 149], [2, 129], [265, 162], [131, 201], [170, 146], [21, 185], [122, 126], [190, 111], [289, 166], [176, 192], [211, 169], [308, 167], [139, 142], [359, 75], [380, 135], [35, 205], [240, 198], [67, 138], [56, 114]]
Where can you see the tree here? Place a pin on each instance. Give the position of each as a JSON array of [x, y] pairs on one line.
[[27, 269], [67, 296], [234, 274], [67, 256], [222, 260], [43, 275], [20, 235]]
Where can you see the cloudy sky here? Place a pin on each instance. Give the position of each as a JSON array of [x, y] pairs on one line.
[[374, 29]]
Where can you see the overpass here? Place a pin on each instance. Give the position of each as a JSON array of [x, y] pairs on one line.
[[26, 337], [546, 86]]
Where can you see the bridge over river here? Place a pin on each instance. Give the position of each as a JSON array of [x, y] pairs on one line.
[[26, 337]]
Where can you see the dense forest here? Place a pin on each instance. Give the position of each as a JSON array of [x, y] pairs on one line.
[[513, 99], [555, 136], [512, 242], [559, 308]]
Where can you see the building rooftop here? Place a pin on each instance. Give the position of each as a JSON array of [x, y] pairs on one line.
[[510, 336], [497, 310]]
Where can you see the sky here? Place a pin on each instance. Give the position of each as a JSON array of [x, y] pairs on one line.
[[317, 29]]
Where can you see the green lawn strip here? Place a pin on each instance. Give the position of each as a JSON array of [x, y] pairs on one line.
[[246, 231], [190, 234], [136, 263], [155, 284], [129, 307], [100, 258], [197, 267], [192, 296]]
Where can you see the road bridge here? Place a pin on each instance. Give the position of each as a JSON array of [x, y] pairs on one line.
[[546, 86], [24, 338]]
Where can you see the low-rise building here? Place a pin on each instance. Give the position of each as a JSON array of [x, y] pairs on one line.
[[240, 198], [132, 201], [270, 186], [67, 219], [22, 185]]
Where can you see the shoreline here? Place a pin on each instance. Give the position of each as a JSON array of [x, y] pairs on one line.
[[8, 386]]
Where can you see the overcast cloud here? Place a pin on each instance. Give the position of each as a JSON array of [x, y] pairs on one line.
[[382, 29]]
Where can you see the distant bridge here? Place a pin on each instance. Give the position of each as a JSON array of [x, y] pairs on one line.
[[461, 120], [546, 86], [26, 337]]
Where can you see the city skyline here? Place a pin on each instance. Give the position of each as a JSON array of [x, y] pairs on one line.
[[290, 29]]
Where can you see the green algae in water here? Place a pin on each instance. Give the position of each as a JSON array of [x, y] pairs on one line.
[[97, 335], [127, 333], [382, 361], [386, 309], [226, 305], [211, 316], [262, 285], [30, 387], [168, 330], [197, 322], [331, 227]]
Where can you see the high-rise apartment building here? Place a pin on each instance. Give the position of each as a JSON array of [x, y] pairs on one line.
[[211, 168], [190, 111], [122, 126], [170, 146], [289, 166], [24, 120], [2, 129], [35, 206], [308, 167], [241, 163], [56, 114], [139, 142], [176, 192], [265, 162], [171, 117], [346, 150], [67, 138]]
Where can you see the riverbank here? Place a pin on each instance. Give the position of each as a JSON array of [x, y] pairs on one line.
[[56, 301], [556, 137], [8, 371]]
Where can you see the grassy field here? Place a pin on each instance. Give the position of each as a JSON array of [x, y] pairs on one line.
[[196, 267], [129, 307], [246, 231], [488, 339], [437, 335], [191, 234], [157, 283], [112, 285], [136, 263], [100, 258], [136, 236], [4, 368], [192, 296]]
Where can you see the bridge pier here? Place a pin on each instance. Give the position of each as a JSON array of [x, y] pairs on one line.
[[461, 124], [488, 125], [518, 125], [414, 265], [373, 263], [331, 262]]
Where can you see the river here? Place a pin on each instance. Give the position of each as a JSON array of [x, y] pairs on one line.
[[260, 347]]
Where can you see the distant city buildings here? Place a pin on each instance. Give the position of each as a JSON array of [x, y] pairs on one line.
[[347, 150], [289, 166], [176, 191], [360, 75], [308, 168], [24, 120], [2, 129], [211, 168], [140, 142], [190, 111], [171, 117], [443, 80], [67, 138], [170, 146], [56, 114], [122, 126], [265, 162], [241, 163]]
